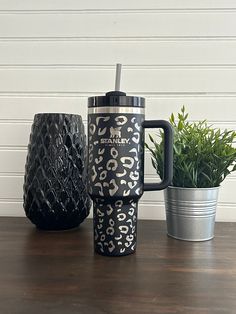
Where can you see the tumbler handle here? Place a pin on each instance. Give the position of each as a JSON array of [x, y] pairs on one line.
[[168, 154]]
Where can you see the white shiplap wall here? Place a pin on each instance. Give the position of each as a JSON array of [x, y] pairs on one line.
[[54, 54]]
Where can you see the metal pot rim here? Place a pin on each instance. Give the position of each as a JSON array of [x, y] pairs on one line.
[[192, 189]]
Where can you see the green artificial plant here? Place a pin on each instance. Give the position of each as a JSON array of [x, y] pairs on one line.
[[203, 156]]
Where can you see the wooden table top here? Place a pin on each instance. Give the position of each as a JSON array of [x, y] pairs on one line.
[[58, 272]]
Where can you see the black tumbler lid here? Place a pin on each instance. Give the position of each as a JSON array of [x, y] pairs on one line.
[[116, 98]]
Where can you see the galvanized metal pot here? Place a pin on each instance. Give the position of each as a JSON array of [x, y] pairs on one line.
[[190, 212]]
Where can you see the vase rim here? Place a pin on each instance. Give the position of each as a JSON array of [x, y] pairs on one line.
[[57, 113]]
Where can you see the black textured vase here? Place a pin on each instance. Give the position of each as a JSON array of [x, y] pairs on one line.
[[55, 194]]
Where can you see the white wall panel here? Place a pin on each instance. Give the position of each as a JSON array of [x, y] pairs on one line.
[[113, 5], [24, 108], [14, 134], [147, 80], [199, 107], [135, 52], [118, 24], [12, 160], [54, 54]]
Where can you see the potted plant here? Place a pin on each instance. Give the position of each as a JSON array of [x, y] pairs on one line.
[[203, 158]]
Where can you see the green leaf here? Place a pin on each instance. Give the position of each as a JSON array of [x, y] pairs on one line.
[[180, 125], [226, 173], [151, 138], [206, 176], [154, 163], [172, 118], [177, 149]]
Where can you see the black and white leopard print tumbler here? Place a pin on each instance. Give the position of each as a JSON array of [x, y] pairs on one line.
[[116, 168]]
